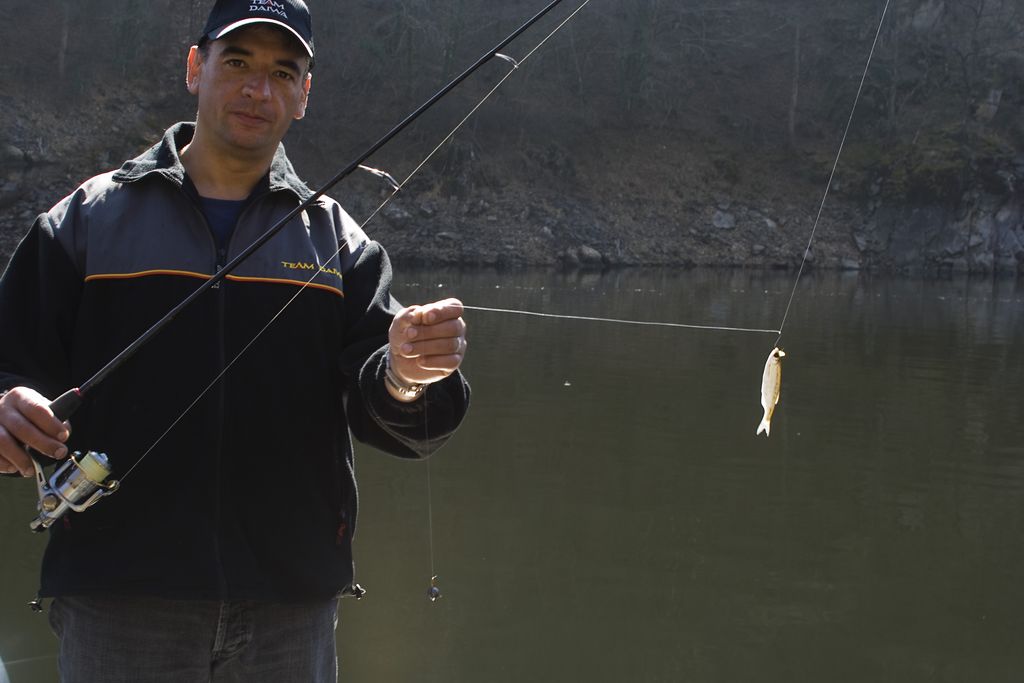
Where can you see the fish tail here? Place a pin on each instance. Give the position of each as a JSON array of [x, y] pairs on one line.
[[765, 427]]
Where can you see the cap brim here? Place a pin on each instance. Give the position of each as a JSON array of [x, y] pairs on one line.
[[224, 30]]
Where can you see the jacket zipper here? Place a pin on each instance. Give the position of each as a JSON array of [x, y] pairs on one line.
[[222, 360], [221, 414], [221, 259], [218, 440]]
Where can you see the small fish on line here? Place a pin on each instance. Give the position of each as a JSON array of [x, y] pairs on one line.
[[771, 386]]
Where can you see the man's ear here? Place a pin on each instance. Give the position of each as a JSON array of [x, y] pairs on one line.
[[193, 69], [305, 97]]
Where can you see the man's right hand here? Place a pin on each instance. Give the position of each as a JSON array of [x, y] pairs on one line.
[[26, 420]]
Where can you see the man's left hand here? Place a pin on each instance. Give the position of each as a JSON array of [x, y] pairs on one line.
[[427, 343]]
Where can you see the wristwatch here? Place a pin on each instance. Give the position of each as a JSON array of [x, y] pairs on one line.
[[409, 390]]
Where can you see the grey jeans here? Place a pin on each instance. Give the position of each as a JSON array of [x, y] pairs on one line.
[[149, 640]]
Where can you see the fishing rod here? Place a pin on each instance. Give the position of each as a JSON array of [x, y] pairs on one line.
[[80, 481]]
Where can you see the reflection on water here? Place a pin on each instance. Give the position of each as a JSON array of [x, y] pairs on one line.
[[607, 513]]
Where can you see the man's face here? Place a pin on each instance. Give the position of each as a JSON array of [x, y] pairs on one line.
[[251, 85]]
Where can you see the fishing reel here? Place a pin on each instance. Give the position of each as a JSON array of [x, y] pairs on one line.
[[76, 485]]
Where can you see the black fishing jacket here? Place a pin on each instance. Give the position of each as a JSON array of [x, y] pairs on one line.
[[249, 493]]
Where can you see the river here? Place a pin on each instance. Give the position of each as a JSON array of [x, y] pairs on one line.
[[607, 513]]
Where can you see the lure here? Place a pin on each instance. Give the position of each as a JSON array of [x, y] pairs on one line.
[[434, 593]]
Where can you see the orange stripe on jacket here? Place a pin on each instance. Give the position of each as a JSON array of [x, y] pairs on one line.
[[201, 276]]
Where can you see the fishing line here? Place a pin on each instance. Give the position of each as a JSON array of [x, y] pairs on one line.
[[25, 660], [433, 592], [65, 405], [430, 511], [397, 187], [620, 321], [828, 185]]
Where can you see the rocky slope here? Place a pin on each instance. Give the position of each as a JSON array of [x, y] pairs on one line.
[[641, 199]]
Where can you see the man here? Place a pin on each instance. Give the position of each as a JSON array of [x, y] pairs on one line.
[[223, 552]]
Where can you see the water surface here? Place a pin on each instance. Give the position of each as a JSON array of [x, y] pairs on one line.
[[607, 514]]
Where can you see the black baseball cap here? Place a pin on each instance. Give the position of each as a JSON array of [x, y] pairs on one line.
[[292, 15]]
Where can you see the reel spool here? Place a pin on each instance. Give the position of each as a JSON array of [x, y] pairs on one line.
[[76, 485]]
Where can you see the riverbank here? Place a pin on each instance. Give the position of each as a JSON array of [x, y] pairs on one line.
[[634, 198]]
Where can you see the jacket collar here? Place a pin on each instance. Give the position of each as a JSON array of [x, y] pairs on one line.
[[163, 159]]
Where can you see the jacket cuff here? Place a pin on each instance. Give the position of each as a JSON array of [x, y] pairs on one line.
[[392, 412]]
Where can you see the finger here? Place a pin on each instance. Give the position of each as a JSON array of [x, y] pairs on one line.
[[439, 366], [404, 327], [36, 409], [29, 434], [448, 360], [408, 316], [438, 311], [434, 347], [13, 458], [404, 321], [409, 343], [450, 329]]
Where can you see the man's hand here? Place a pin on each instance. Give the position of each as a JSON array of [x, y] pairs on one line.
[[427, 343], [26, 420]]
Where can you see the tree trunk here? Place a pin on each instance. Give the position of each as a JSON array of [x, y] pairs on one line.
[[795, 99], [62, 50], [894, 84]]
